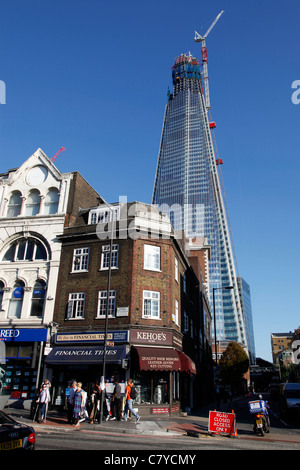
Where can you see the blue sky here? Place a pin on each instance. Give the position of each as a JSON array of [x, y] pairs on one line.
[[93, 76]]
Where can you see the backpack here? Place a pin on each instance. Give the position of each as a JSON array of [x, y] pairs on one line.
[[133, 393]]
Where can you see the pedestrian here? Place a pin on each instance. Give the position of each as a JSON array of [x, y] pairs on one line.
[[129, 402], [83, 415], [107, 402], [43, 400], [70, 403], [47, 383], [79, 398], [95, 400], [116, 402]]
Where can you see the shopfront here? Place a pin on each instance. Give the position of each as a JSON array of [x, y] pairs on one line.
[[157, 367], [79, 356], [20, 366]]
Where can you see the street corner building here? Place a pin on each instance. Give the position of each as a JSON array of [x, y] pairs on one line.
[[158, 313]]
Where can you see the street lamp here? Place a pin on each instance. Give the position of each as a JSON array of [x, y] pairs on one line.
[[215, 329], [106, 314]]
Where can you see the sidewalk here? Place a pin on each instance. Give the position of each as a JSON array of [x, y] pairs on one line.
[[195, 424]]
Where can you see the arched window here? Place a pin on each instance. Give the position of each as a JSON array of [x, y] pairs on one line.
[[25, 249], [38, 299], [16, 301], [33, 203], [51, 202], [14, 204]]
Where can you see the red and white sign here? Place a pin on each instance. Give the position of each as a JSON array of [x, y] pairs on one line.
[[221, 423], [160, 410]]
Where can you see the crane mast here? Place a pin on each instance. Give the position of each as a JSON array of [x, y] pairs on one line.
[[62, 149], [202, 39]]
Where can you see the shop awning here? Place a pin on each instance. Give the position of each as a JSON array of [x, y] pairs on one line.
[[164, 359], [158, 358], [85, 355], [187, 365]]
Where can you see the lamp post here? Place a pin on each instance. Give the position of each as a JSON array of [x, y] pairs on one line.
[[215, 330], [106, 314]]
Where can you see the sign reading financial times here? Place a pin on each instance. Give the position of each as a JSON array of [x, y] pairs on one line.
[[85, 355], [121, 336]]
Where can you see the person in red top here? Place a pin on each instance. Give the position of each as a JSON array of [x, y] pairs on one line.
[[128, 402]]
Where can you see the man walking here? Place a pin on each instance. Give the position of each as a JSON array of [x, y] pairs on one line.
[[116, 401], [71, 402], [129, 401]]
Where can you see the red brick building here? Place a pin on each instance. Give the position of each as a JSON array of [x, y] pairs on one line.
[[158, 314]]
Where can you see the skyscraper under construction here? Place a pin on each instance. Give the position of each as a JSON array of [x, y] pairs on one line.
[[187, 186]]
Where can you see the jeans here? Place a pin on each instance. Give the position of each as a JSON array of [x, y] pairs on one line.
[[41, 411], [128, 406]]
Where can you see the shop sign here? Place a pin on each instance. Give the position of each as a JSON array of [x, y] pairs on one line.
[[160, 410], [163, 338], [85, 355], [23, 334], [93, 337]]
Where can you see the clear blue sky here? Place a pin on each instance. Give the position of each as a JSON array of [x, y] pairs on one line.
[[93, 75]]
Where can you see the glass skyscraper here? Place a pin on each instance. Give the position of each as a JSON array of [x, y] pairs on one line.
[[187, 187], [245, 296]]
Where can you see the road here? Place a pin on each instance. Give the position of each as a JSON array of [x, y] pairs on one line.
[[283, 436]]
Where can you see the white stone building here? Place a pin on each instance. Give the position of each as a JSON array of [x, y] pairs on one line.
[[36, 202]]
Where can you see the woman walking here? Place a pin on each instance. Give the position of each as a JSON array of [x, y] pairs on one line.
[[43, 400], [79, 399]]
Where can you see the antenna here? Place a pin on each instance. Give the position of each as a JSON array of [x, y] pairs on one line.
[[57, 153], [199, 38]]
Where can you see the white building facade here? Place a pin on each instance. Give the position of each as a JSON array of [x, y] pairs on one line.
[[33, 207]]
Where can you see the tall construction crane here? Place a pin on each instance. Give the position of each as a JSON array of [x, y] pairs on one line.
[[57, 153], [199, 38]]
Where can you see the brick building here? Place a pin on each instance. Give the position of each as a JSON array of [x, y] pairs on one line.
[[158, 313]]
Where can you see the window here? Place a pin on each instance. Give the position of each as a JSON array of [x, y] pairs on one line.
[[104, 215], [33, 203], [38, 299], [14, 205], [152, 257], [176, 314], [184, 283], [81, 259], [151, 304], [26, 249], [51, 202], [185, 322], [1, 293], [176, 269], [102, 299], [16, 301], [106, 255], [76, 306]]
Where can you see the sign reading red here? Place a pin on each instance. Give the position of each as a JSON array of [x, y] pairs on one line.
[[221, 423]]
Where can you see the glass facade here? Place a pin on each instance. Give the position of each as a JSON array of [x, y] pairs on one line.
[[187, 188], [245, 296]]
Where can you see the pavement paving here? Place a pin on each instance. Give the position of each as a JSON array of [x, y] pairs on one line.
[[194, 425]]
